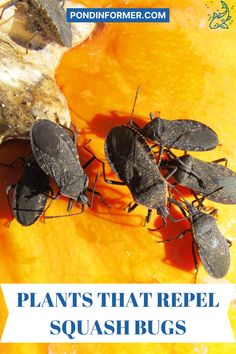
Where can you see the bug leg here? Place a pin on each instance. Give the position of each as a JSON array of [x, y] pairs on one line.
[[69, 207], [200, 200], [181, 207], [100, 195], [131, 207], [88, 163], [90, 204], [63, 3], [201, 206], [174, 169], [177, 220], [202, 184], [6, 6], [71, 133], [92, 158], [195, 262], [148, 217], [170, 154], [127, 206], [161, 227], [223, 159], [66, 215], [135, 125], [108, 181], [70, 204], [53, 197], [174, 238], [28, 43], [8, 189], [229, 242], [13, 162], [160, 153], [154, 115], [174, 201], [214, 212]]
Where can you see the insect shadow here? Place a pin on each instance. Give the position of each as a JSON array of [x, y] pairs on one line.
[[101, 124]]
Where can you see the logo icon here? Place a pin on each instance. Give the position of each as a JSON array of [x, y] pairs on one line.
[[220, 18]]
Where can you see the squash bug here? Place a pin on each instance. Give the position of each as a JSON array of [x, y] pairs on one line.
[[132, 160], [47, 17], [182, 134], [212, 247], [30, 193], [205, 178], [57, 156]]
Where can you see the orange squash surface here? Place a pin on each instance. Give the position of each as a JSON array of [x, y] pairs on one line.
[[185, 70]]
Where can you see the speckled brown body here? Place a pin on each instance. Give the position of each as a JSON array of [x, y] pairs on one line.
[[50, 17]]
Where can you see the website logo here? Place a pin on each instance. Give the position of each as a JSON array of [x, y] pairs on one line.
[[220, 18], [118, 15]]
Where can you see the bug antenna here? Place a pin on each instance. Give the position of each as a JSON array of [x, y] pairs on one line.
[[207, 195], [93, 192], [135, 100], [160, 227], [6, 5]]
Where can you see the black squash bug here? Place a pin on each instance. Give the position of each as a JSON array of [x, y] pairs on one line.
[[48, 17], [57, 156], [212, 247], [30, 193], [182, 134], [191, 172], [132, 160]]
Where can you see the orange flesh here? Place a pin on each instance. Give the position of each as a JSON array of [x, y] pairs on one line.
[[185, 70]]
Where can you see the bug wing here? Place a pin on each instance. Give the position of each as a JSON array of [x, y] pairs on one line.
[[55, 25], [146, 183], [213, 248], [228, 193], [182, 134], [119, 150], [194, 136], [132, 160], [57, 156], [214, 176], [30, 194]]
